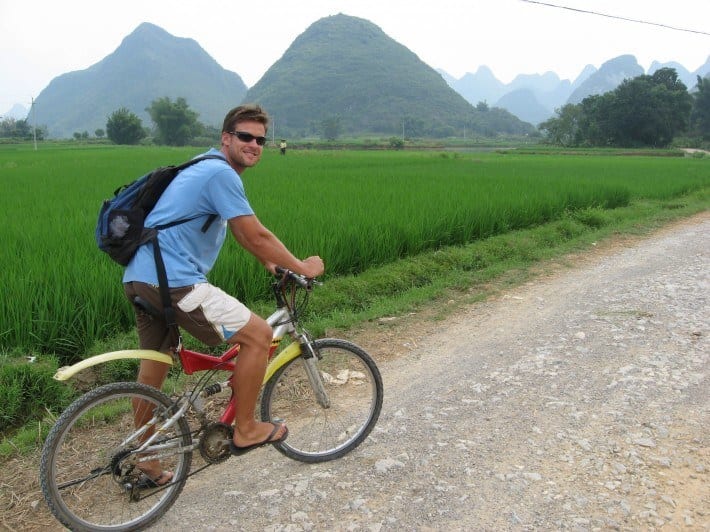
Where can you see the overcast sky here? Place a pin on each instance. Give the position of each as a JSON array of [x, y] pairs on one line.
[[43, 39]]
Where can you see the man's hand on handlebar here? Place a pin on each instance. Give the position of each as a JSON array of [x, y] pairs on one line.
[[309, 268], [312, 267]]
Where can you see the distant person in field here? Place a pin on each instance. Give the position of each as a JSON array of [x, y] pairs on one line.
[[282, 147], [212, 187]]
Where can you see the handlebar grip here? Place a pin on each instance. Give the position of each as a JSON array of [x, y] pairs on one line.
[[299, 279]]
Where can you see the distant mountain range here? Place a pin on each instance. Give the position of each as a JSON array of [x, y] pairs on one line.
[[341, 68], [535, 97]]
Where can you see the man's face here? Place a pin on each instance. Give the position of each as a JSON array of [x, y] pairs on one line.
[[244, 152]]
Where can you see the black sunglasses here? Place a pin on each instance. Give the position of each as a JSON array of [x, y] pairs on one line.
[[248, 137]]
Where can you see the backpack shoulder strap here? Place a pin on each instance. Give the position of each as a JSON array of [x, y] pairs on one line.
[[179, 168], [210, 217]]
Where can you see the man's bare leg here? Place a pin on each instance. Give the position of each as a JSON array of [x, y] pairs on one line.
[[254, 339], [152, 373]]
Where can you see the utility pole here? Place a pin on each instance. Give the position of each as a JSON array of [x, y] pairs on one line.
[[34, 122]]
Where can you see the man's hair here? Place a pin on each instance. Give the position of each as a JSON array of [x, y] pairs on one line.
[[244, 113]]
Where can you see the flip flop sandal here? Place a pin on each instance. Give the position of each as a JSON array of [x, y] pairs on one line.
[[238, 451], [145, 482]]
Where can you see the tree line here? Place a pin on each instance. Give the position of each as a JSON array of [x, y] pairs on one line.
[[175, 124], [645, 111], [12, 128]]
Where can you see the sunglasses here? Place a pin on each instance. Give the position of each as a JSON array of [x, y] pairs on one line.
[[248, 137]]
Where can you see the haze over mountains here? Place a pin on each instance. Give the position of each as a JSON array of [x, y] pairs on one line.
[[534, 97], [341, 68]]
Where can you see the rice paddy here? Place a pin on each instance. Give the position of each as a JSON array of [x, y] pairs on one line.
[[357, 209]]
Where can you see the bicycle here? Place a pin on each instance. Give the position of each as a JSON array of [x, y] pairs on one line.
[[329, 390]]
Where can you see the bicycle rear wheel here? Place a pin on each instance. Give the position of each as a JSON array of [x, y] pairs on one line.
[[354, 388], [89, 472]]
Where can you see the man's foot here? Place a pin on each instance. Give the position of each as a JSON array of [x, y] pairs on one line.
[[278, 434], [147, 481]]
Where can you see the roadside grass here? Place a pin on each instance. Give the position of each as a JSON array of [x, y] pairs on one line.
[[463, 273]]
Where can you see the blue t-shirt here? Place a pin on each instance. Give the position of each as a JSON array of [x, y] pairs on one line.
[[208, 187]]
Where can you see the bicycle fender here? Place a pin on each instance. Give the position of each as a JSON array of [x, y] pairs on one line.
[[289, 353], [67, 372]]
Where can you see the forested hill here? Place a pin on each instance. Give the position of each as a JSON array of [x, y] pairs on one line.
[[346, 71], [149, 64]]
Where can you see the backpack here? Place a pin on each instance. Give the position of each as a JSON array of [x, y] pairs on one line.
[[120, 230]]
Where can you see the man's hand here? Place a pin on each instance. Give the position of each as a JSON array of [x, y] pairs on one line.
[[312, 267]]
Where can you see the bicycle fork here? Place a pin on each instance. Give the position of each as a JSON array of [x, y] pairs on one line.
[[315, 377]]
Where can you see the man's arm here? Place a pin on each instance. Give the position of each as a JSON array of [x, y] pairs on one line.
[[265, 246]]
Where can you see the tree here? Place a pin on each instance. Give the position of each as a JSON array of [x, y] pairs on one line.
[[17, 129], [124, 127], [99, 133], [643, 111], [564, 128], [700, 115], [176, 123], [648, 110]]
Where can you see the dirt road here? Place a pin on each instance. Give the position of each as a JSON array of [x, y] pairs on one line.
[[578, 401]]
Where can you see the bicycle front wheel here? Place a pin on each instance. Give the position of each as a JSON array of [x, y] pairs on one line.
[[89, 469], [354, 391]]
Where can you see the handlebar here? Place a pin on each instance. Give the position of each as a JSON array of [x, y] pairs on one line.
[[301, 280], [286, 290]]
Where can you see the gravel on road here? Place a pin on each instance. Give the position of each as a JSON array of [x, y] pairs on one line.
[[578, 401]]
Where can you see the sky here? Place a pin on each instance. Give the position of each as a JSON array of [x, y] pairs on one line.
[[46, 38]]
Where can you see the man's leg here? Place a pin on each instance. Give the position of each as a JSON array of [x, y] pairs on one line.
[[153, 335], [152, 373], [254, 339]]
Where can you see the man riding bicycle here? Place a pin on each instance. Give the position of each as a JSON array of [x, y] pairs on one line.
[[212, 187]]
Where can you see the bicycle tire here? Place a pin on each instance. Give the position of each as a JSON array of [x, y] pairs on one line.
[[317, 434], [85, 466]]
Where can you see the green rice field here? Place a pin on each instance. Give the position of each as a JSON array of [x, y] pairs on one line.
[[357, 209]]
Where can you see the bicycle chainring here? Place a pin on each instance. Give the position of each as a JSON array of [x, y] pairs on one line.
[[214, 442]]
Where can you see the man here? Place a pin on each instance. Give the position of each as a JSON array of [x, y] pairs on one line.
[[189, 251], [282, 146]]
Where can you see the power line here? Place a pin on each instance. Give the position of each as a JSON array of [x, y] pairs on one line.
[[617, 17]]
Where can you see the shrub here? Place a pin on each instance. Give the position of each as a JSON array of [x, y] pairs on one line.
[[27, 391], [396, 143]]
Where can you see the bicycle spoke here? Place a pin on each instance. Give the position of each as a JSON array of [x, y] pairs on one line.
[[97, 434], [353, 386]]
